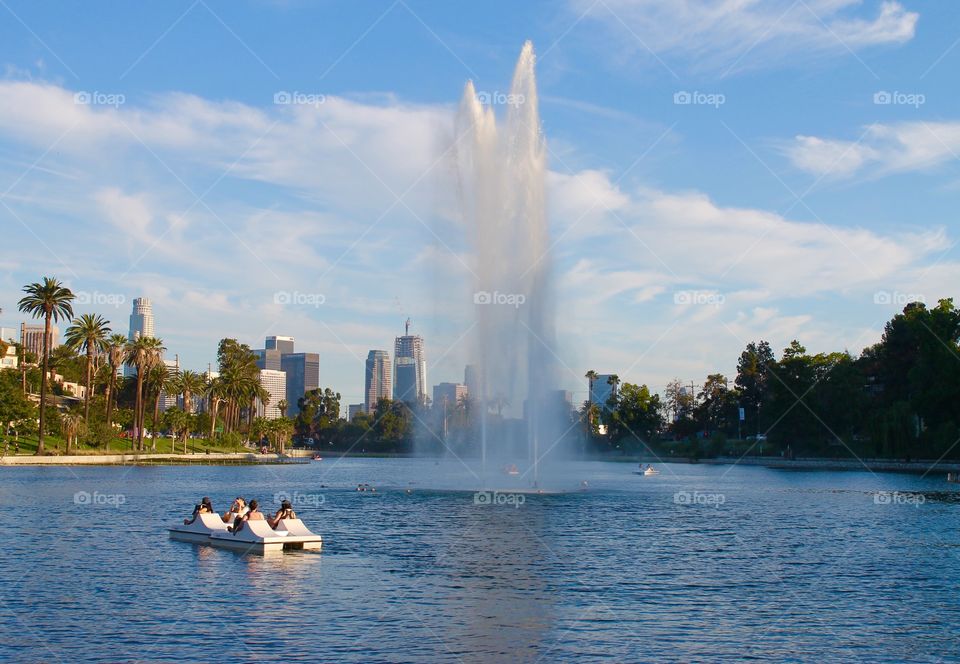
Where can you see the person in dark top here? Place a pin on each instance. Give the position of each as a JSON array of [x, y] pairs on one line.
[[205, 507], [285, 512]]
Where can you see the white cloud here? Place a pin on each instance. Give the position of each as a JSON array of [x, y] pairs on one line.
[[720, 34], [882, 149]]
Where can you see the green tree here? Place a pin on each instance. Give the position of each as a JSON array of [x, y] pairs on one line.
[[319, 412], [88, 333], [143, 353], [52, 301], [753, 382], [115, 348]]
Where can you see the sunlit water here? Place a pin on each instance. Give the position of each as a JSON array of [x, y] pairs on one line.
[[792, 566]]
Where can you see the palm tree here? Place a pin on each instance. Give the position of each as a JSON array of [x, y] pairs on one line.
[[216, 395], [116, 353], [160, 380], [89, 333], [71, 424], [143, 353], [282, 406], [52, 301], [281, 429], [591, 376], [190, 384]]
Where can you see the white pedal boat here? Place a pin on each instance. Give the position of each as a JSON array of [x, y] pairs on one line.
[[254, 537]]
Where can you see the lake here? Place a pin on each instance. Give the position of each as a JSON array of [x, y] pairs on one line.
[[699, 563]]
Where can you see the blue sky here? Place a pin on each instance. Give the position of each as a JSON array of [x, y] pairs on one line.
[[810, 193]]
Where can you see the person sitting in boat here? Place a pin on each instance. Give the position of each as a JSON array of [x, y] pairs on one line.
[[205, 507], [285, 512], [237, 509], [252, 514]]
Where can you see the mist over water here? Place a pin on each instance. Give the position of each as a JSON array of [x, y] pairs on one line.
[[501, 169]]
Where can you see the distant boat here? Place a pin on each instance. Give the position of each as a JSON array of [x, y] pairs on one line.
[[648, 471], [511, 469], [317, 457]]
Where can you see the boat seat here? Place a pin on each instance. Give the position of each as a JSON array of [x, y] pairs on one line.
[[212, 521], [295, 527]]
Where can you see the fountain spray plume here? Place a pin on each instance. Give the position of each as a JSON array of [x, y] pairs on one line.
[[502, 190]]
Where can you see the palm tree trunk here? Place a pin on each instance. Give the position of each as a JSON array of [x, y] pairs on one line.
[[87, 392], [156, 417], [213, 419], [43, 379], [138, 409], [109, 394]]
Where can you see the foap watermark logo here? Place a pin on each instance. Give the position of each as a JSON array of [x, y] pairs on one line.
[[98, 499], [96, 298], [298, 299], [897, 98], [297, 98], [497, 498], [299, 499], [497, 98], [897, 298], [697, 98], [708, 298], [514, 300], [898, 498], [97, 98], [699, 498]]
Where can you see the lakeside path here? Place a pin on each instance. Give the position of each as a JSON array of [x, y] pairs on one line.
[[212, 459]]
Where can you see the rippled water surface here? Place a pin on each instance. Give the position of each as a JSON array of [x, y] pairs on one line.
[[701, 563]]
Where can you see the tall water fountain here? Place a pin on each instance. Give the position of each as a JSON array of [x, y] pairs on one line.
[[501, 169]]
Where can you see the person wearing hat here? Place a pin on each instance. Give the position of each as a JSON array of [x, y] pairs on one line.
[[205, 507], [285, 512]]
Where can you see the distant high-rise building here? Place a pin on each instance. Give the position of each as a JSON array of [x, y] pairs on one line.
[[31, 336], [602, 390], [353, 410], [409, 368], [303, 375], [141, 325], [268, 358], [141, 319], [448, 393], [471, 378], [282, 344], [7, 334], [274, 382], [302, 369], [168, 401], [378, 379]]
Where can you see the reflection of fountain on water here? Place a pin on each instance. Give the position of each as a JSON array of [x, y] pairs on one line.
[[501, 171]]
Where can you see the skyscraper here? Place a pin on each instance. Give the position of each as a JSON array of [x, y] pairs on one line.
[[282, 344], [141, 319], [410, 368], [302, 369], [602, 391], [268, 358], [274, 382], [303, 375], [141, 325], [377, 384]]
